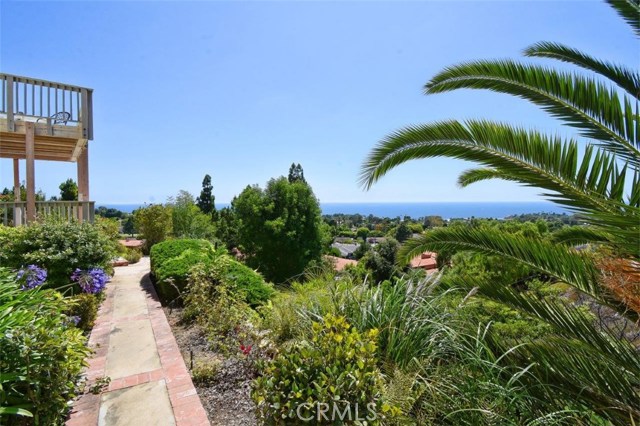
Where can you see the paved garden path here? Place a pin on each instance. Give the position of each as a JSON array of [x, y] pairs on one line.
[[134, 347]]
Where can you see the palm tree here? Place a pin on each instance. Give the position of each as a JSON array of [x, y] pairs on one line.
[[587, 363]]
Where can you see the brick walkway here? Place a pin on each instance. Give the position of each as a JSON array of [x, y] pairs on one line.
[[134, 347]]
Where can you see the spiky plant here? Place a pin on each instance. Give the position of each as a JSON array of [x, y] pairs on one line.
[[593, 365]]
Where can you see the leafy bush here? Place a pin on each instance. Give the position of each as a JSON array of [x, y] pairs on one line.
[[172, 276], [337, 366], [171, 262], [220, 310], [83, 308], [205, 370], [244, 279], [166, 250], [60, 247], [174, 259], [133, 255], [154, 222], [41, 353]]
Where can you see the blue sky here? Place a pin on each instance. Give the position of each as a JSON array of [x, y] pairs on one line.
[[240, 90]]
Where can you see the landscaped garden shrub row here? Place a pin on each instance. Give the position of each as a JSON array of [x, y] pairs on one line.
[[60, 247], [172, 262]]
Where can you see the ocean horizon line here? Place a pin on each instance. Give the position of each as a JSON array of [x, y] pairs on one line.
[[445, 209]]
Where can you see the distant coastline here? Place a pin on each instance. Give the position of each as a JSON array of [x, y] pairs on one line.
[[448, 210]]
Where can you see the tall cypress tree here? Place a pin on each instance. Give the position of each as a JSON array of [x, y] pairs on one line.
[[206, 200], [296, 174]]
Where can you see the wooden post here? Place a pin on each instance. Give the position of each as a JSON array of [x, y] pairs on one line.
[[31, 175], [17, 211], [83, 180]]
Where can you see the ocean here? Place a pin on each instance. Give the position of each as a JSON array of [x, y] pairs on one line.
[[448, 210]]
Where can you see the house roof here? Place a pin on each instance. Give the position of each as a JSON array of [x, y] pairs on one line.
[[339, 263], [426, 260], [345, 249]]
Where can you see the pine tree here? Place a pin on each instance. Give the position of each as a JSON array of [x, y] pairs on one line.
[[296, 174], [206, 200]]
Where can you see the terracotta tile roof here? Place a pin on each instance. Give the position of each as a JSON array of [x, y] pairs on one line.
[[339, 263], [426, 260]]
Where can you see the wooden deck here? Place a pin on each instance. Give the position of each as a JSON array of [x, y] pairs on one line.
[[45, 120], [51, 142]]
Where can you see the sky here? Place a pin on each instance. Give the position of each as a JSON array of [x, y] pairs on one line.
[[240, 90]]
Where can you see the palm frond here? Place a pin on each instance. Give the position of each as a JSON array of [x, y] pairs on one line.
[[584, 103], [558, 261], [470, 176], [580, 235], [528, 157], [581, 358], [627, 79], [629, 10]]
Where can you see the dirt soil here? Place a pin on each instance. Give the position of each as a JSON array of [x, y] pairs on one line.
[[227, 397]]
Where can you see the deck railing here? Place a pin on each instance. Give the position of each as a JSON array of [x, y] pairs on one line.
[[46, 101], [14, 213]]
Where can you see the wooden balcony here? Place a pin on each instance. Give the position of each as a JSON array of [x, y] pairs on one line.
[[14, 213], [44, 120]]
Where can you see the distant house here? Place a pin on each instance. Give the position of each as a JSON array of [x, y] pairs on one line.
[[375, 240], [426, 261], [339, 263], [346, 250]]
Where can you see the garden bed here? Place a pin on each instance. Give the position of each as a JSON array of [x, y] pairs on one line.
[[226, 395]]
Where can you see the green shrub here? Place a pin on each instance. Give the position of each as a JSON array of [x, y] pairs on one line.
[[172, 276], [247, 281], [154, 223], [58, 246], [205, 370], [169, 249], [220, 310], [84, 307], [41, 353], [171, 262], [133, 255], [337, 366]]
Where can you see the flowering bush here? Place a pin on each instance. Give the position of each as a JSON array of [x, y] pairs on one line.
[[58, 246], [90, 281], [41, 355], [31, 277]]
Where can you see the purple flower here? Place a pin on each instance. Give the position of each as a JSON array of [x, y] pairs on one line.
[[74, 319], [31, 277], [90, 281]]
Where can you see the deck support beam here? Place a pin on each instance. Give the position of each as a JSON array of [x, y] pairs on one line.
[[83, 179], [17, 211], [31, 175]]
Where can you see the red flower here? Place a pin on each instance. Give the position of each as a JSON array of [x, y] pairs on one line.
[[245, 349]]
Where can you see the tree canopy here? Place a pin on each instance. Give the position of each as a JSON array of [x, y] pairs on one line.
[[68, 190], [279, 227], [296, 174], [206, 200]]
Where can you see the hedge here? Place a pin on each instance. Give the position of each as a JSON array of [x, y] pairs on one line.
[[172, 260]]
